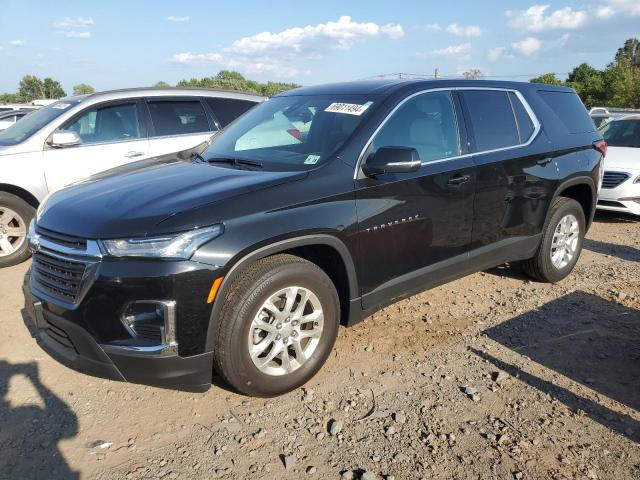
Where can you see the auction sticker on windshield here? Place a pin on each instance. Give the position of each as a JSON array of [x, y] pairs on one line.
[[348, 108], [61, 106]]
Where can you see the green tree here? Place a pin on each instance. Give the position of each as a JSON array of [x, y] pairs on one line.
[[82, 89], [52, 88], [229, 80], [473, 74], [31, 87], [10, 98], [589, 83], [629, 53], [548, 78], [161, 84], [623, 86]]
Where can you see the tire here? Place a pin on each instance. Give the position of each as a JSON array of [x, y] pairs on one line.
[[244, 314], [15, 217], [541, 266]]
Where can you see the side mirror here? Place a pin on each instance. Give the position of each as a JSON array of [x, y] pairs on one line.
[[392, 160], [64, 138]]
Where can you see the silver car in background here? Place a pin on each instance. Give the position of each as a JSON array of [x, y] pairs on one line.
[[79, 136]]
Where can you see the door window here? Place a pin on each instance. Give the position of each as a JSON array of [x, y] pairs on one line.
[[427, 123], [109, 123], [178, 117], [492, 119], [227, 110], [525, 124]]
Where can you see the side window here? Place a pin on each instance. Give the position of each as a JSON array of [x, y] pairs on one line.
[[109, 123], [227, 110], [178, 117], [427, 123], [525, 124], [492, 119], [569, 109]]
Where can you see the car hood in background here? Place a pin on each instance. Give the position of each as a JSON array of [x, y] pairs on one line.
[[622, 158], [134, 200]]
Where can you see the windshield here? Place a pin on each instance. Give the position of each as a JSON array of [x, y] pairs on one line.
[[622, 133], [33, 122], [296, 132]]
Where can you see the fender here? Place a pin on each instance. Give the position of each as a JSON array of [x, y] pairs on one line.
[[580, 180], [272, 249]]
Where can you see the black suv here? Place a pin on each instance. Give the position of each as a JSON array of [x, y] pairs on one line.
[[318, 207]]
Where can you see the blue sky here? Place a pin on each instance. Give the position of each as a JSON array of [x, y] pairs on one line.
[[120, 44]]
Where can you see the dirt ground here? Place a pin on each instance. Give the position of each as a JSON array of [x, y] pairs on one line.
[[492, 376]]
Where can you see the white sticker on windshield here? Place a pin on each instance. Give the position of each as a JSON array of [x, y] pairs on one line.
[[61, 106], [312, 159], [348, 108]]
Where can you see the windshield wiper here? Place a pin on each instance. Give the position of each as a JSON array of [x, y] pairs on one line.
[[196, 157], [236, 162]]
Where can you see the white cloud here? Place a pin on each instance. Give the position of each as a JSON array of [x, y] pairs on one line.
[[16, 43], [173, 18], [527, 46], [74, 34], [500, 53], [462, 51], [74, 27], [74, 22], [605, 11], [279, 52], [610, 8], [537, 18], [464, 31]]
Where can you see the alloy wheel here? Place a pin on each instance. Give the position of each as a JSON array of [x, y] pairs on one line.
[[13, 231], [564, 244]]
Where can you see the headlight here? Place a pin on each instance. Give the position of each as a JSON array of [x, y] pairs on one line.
[[637, 180], [182, 245]]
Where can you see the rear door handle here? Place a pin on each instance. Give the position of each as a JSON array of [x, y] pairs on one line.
[[134, 154], [459, 179]]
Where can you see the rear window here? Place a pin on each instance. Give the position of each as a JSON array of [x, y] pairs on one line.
[[227, 110], [569, 109], [622, 133], [492, 120], [178, 117], [525, 124]]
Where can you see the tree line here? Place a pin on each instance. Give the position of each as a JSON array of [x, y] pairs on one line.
[[617, 85]]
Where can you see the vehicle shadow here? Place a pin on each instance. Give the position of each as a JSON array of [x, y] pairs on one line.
[[605, 216], [590, 340], [29, 434], [511, 270], [623, 252]]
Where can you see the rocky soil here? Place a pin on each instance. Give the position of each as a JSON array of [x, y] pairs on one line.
[[492, 376]]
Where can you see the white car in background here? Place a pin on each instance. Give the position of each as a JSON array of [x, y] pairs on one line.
[[620, 190], [79, 136]]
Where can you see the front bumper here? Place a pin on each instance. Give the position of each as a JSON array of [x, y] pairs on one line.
[[624, 198], [90, 338]]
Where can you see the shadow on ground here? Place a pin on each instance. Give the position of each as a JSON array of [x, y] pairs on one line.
[[605, 216], [590, 340], [623, 252], [29, 434]]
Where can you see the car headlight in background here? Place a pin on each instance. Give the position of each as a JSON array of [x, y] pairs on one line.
[[637, 180], [178, 246]]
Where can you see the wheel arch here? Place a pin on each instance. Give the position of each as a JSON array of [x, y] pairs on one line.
[[20, 193], [582, 190], [326, 251]]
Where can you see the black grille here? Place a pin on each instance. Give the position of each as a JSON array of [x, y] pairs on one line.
[[59, 277], [613, 179], [58, 334], [62, 239], [148, 332]]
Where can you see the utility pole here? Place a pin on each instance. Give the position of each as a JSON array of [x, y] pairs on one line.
[[436, 74]]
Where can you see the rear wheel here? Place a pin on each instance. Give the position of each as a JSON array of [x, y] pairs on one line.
[[277, 327], [561, 242], [15, 216]]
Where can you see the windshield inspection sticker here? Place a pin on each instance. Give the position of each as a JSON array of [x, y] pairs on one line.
[[348, 108], [61, 106], [312, 159]]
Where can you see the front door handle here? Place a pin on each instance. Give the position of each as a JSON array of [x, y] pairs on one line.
[[458, 179], [134, 154]]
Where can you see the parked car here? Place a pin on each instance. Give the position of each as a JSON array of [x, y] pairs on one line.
[[621, 182], [245, 259], [7, 119], [79, 136], [6, 107], [602, 115]]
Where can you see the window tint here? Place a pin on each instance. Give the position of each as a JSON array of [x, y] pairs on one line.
[[227, 110], [110, 123], [492, 119], [427, 123], [569, 109], [178, 117], [525, 124], [622, 133]]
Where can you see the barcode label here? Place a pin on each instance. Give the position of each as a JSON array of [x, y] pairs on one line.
[[348, 108]]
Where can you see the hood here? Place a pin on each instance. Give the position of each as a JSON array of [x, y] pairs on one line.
[[133, 201], [622, 158]]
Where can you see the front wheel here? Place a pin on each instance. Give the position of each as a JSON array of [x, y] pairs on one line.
[[15, 216], [277, 327], [561, 242]]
